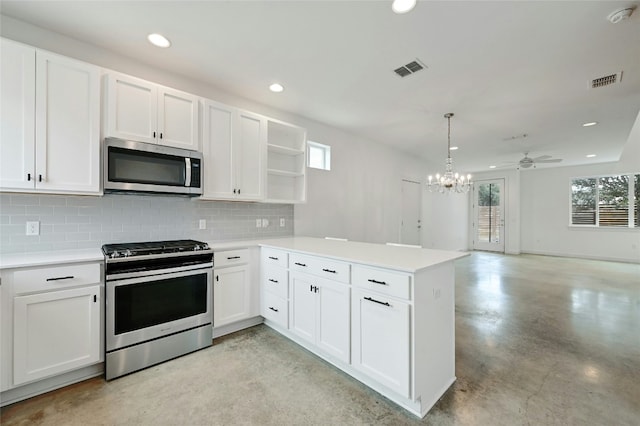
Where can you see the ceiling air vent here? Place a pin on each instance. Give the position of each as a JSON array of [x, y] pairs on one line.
[[410, 68], [606, 80]]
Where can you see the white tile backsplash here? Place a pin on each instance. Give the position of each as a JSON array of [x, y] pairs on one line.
[[72, 222]]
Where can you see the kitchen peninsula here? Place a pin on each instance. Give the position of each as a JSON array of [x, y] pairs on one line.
[[383, 314]]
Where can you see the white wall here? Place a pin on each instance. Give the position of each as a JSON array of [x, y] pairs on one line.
[[360, 197], [545, 203], [445, 225]]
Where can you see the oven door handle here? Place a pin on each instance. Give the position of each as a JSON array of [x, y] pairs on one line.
[[158, 274]]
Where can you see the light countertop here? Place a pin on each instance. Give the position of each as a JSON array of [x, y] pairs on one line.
[[406, 259], [19, 260]]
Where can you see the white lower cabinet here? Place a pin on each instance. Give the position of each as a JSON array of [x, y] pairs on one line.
[[52, 326], [391, 328], [320, 313], [231, 295], [55, 332], [381, 339]]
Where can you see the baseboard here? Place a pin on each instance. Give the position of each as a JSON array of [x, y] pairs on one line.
[[236, 326], [579, 256], [52, 383]]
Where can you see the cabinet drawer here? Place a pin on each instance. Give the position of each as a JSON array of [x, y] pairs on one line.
[[274, 257], [230, 257], [275, 309], [320, 266], [275, 280], [56, 277], [383, 281]]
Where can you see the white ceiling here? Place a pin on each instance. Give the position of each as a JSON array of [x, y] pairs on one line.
[[505, 68]]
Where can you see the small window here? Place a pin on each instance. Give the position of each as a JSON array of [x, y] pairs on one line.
[[319, 156]]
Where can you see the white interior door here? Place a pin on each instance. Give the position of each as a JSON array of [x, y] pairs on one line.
[[410, 212], [488, 214]]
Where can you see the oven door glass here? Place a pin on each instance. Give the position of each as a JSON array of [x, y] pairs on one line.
[[141, 309], [142, 167]]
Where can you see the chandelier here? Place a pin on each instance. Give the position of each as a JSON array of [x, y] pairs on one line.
[[449, 181]]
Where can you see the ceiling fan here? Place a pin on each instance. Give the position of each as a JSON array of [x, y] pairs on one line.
[[528, 162]]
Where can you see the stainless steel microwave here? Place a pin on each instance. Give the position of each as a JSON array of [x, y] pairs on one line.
[[131, 166]]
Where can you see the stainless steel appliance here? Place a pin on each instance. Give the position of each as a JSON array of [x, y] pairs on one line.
[[158, 302], [131, 166]]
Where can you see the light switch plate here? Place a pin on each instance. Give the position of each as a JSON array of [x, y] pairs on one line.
[[265, 223], [202, 223], [258, 223], [282, 222]]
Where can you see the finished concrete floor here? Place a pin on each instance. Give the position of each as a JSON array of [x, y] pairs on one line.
[[539, 341]]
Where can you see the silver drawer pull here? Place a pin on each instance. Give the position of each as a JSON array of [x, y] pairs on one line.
[[377, 301], [273, 281], [330, 271], [301, 264], [233, 257], [273, 309], [273, 258], [69, 277], [378, 282]]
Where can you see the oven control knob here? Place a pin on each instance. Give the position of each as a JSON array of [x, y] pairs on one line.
[[114, 254], [127, 253], [205, 246], [197, 247]]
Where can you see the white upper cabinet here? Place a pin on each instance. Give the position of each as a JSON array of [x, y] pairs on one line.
[[234, 151], [18, 97], [50, 140], [147, 112]]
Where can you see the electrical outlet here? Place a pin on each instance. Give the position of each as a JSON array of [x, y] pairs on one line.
[[202, 223], [282, 222], [265, 223], [258, 223], [33, 228]]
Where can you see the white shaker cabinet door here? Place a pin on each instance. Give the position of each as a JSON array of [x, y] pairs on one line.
[[249, 151], [178, 119], [17, 97], [67, 124], [218, 168], [231, 295], [333, 311], [381, 339], [55, 332], [302, 310], [132, 108]]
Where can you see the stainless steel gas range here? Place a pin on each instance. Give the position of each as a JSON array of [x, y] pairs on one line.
[[158, 302]]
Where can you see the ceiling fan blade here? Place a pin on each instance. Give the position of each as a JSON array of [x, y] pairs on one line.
[[555, 160], [542, 157]]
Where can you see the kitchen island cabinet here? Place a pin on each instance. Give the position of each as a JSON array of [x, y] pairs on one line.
[[395, 330]]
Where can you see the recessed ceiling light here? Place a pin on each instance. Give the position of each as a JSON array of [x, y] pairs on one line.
[[403, 6], [590, 155], [589, 124], [453, 148], [492, 167], [158, 40], [277, 88]]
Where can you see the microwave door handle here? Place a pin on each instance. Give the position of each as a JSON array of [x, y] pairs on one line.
[[187, 178]]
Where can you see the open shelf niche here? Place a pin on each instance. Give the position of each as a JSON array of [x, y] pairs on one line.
[[286, 168]]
